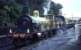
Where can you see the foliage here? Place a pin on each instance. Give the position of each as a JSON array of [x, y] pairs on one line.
[[55, 8], [10, 10]]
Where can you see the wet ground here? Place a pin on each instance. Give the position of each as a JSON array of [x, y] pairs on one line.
[[63, 40], [66, 39]]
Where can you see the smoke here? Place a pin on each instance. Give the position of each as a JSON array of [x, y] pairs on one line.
[[46, 7], [45, 11]]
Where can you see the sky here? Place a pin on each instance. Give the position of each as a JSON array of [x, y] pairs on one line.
[[70, 7]]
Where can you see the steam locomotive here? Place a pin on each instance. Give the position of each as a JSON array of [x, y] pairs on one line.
[[28, 29], [25, 31]]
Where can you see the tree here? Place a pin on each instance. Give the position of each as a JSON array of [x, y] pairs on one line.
[[55, 8], [10, 10], [59, 6], [34, 5]]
